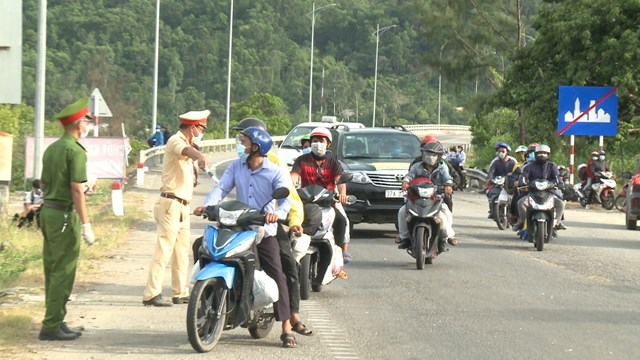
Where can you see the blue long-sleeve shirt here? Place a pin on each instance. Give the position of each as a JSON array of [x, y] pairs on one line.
[[253, 188]]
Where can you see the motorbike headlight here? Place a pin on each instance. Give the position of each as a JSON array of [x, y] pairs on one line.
[[426, 192], [499, 180], [360, 178], [542, 185], [229, 218]]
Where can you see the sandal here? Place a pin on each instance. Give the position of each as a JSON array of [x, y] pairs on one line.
[[452, 241], [302, 329], [346, 257], [342, 275], [288, 340]]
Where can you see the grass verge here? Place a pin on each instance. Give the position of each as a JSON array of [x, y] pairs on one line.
[[21, 274]]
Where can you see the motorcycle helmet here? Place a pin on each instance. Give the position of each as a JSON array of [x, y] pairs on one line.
[[259, 137], [521, 149], [250, 122], [595, 153], [304, 139], [542, 153], [601, 155], [321, 132], [433, 147], [427, 139], [503, 145]]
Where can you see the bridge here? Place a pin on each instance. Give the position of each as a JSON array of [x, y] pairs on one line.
[[447, 134]]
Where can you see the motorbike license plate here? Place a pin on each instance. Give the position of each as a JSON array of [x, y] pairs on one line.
[[393, 193]]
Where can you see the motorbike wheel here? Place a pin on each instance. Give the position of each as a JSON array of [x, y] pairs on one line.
[[418, 247], [264, 324], [607, 200], [621, 203], [206, 314], [305, 277], [540, 232], [501, 216]]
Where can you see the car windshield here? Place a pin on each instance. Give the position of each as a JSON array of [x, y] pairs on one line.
[[293, 138], [387, 145]]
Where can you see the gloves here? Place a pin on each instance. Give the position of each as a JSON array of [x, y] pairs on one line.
[[87, 234]]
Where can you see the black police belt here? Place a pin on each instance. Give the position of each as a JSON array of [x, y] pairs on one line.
[[57, 206], [173, 197]]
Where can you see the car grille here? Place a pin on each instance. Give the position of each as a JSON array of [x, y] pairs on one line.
[[390, 180]]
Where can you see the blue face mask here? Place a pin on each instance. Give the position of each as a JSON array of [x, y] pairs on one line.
[[530, 157], [240, 151], [306, 151]]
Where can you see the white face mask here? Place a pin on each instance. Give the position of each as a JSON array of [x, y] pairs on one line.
[[87, 129], [197, 138], [319, 148], [501, 155], [430, 159]]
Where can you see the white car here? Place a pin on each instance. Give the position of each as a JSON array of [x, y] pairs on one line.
[[291, 147]]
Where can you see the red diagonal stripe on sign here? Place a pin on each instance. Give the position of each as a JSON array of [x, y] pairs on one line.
[[562, 131]]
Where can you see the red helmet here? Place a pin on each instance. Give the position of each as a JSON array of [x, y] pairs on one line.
[[320, 131], [428, 139]]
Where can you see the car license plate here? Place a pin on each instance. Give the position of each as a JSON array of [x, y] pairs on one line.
[[393, 193]]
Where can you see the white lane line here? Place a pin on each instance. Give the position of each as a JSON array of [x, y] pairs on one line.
[[335, 340]]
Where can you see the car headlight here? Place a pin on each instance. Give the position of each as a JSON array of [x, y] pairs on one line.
[[426, 192], [360, 178]]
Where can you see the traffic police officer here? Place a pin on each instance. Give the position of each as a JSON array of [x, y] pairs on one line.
[[171, 211], [64, 218]]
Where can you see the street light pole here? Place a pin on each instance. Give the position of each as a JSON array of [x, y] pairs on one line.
[[440, 83], [313, 26], [154, 110], [375, 77], [226, 128]]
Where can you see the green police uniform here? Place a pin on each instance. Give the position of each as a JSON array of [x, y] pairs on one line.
[[64, 162]]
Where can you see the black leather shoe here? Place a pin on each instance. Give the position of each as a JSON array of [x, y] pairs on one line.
[[156, 301], [57, 335], [66, 329], [180, 300], [404, 244]]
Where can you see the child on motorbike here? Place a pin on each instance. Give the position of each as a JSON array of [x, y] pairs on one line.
[[541, 168], [432, 168]]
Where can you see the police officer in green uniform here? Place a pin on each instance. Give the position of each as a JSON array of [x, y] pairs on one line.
[[64, 218]]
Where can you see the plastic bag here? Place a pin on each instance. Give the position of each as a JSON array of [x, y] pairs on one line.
[[300, 246], [194, 272], [337, 263], [265, 290]]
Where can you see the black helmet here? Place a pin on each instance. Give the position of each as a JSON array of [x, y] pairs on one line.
[[249, 122], [433, 147]]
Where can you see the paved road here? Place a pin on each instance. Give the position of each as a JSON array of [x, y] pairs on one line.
[[491, 297]]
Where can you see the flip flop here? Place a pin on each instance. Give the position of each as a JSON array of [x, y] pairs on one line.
[[301, 329], [288, 340], [346, 257], [452, 241]]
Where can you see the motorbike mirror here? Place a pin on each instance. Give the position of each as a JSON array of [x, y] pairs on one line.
[[210, 212], [280, 193], [626, 175], [345, 178]]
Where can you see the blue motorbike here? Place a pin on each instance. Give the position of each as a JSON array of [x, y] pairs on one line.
[[222, 297]]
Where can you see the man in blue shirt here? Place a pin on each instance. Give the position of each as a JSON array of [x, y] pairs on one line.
[[254, 177], [157, 139]]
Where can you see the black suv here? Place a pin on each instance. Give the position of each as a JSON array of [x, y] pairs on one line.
[[378, 158]]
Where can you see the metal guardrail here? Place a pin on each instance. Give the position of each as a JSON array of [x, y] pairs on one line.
[[153, 156]]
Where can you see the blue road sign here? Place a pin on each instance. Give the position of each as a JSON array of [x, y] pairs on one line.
[[587, 110]]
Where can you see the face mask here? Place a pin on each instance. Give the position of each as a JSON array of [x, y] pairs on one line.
[[594, 158], [319, 148], [86, 131], [306, 150], [601, 157], [196, 138], [430, 159], [531, 157], [542, 158], [501, 155], [240, 151]]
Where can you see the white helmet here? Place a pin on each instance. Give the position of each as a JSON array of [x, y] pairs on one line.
[[320, 131]]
